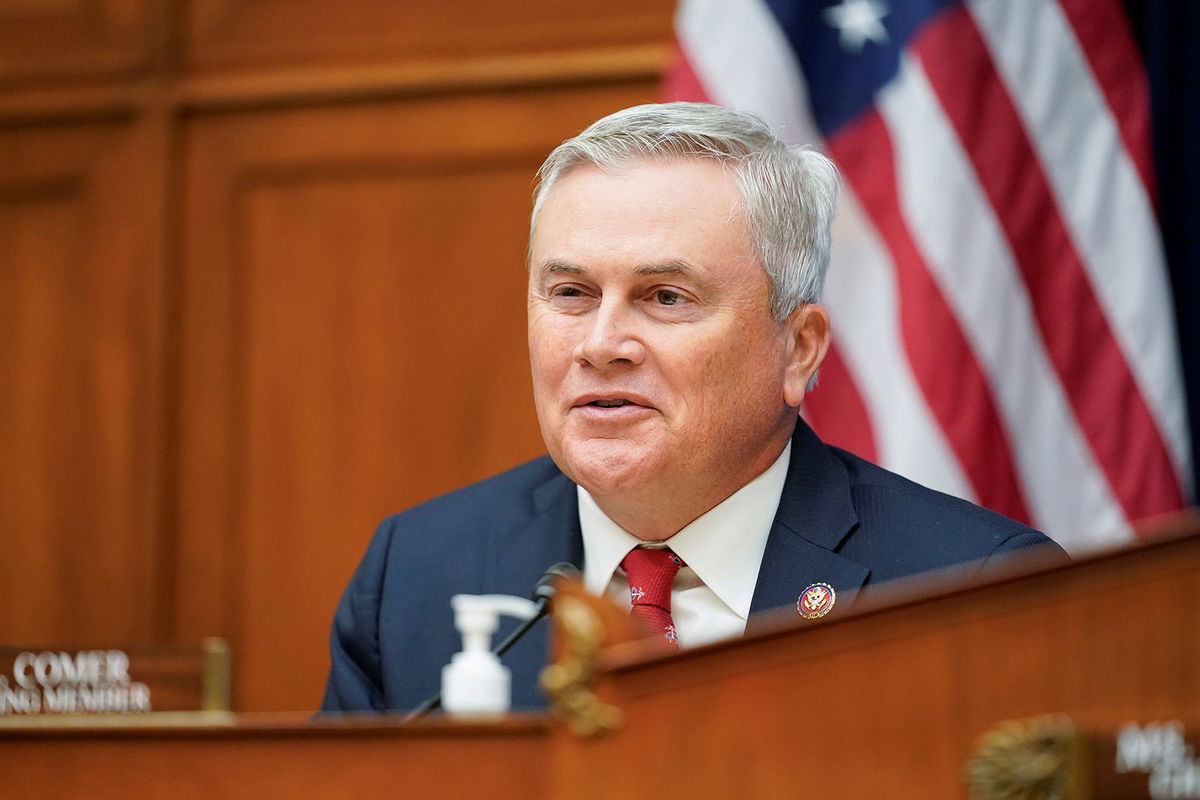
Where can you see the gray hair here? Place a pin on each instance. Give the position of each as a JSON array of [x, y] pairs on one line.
[[788, 194]]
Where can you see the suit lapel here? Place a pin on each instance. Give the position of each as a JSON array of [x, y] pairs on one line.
[[517, 557], [815, 516], [521, 553]]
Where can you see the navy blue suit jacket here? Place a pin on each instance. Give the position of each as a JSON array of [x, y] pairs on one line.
[[841, 520]]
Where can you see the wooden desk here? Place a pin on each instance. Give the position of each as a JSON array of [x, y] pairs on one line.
[[275, 756], [890, 700], [887, 701]]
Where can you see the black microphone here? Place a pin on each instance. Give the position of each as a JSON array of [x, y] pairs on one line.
[[543, 591]]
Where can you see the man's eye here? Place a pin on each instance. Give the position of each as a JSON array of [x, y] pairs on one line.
[[667, 297], [565, 291]]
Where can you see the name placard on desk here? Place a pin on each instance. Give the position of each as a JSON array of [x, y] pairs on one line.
[[63, 682], [113, 680]]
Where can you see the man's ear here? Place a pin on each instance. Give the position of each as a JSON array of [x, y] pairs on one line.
[[808, 341]]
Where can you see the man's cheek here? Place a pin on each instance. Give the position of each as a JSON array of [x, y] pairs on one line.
[[712, 369]]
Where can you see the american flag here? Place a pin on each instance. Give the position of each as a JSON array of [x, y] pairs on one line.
[[1002, 315]]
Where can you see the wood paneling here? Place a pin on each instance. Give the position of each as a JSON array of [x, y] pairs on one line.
[[80, 401], [261, 283], [353, 343], [80, 40], [223, 34]]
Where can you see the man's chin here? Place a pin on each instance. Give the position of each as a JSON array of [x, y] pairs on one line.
[[608, 467]]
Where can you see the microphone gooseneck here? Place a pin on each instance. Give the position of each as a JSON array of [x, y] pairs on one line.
[[542, 592]]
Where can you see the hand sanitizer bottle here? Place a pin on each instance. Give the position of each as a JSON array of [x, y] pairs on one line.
[[475, 682]]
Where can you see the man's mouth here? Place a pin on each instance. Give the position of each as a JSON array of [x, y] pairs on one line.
[[630, 402]]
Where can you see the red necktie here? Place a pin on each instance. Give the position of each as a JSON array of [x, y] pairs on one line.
[[651, 572]]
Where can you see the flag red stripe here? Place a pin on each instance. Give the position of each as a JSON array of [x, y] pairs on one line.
[[1102, 391], [942, 361], [837, 412], [1107, 42], [680, 81]]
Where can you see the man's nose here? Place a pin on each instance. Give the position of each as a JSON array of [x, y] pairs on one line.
[[611, 338]]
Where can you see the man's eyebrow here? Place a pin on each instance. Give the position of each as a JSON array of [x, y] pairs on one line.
[[675, 267], [553, 266]]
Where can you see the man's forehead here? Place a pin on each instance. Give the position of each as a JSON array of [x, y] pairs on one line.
[[692, 196]]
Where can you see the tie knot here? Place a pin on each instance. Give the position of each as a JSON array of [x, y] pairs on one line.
[[651, 572]]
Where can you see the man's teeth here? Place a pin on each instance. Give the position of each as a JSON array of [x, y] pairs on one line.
[[610, 403]]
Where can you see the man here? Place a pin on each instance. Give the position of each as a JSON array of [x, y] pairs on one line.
[[676, 258]]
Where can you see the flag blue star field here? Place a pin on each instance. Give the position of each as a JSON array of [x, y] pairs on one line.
[[1002, 314]]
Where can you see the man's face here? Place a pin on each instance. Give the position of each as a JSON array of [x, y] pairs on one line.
[[658, 369]]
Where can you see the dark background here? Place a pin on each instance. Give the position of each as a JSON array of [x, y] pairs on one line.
[[1169, 36]]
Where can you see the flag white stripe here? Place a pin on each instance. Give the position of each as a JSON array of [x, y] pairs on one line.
[[1098, 188], [965, 250], [862, 295], [731, 45]]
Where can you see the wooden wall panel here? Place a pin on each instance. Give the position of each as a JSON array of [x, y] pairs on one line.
[[80, 40], [80, 403], [222, 34], [353, 343], [262, 289]]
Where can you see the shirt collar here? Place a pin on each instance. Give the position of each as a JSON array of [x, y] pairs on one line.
[[724, 546]]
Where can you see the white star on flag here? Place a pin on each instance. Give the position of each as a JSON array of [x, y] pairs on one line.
[[857, 22]]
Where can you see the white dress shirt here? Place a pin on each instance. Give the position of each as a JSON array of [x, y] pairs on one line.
[[722, 549]]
